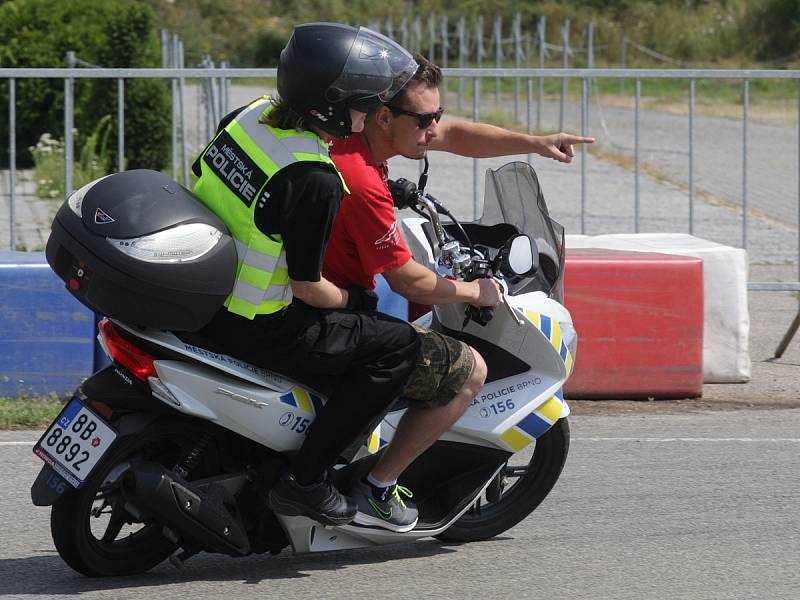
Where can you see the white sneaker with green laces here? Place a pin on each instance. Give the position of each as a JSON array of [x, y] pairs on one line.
[[390, 512]]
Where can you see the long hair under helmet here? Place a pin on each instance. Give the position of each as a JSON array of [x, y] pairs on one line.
[[328, 68]]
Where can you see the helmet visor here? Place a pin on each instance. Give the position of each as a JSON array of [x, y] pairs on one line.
[[375, 66]]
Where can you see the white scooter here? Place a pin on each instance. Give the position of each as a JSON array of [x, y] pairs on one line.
[[172, 449]]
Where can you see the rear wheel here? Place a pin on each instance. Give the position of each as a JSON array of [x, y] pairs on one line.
[[93, 531], [516, 491]]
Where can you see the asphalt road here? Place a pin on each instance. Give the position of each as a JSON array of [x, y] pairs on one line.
[[660, 506]]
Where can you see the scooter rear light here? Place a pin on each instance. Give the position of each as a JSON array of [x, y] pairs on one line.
[[140, 363]]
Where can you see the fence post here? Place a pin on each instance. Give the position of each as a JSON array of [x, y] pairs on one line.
[[540, 30], [790, 333], [418, 34], [517, 61], [498, 54], [746, 104], [174, 63], [69, 125], [164, 48], [565, 64], [479, 41], [584, 128], [181, 90], [462, 28], [12, 162], [476, 95], [404, 32], [623, 59], [432, 37], [636, 154], [120, 125], [445, 42], [590, 45], [529, 88], [691, 155], [589, 59]]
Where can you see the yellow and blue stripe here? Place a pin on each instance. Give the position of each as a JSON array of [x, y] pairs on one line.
[[304, 400], [552, 331], [535, 424], [312, 404]]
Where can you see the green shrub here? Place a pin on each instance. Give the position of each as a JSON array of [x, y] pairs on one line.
[[48, 161], [110, 33], [772, 29]]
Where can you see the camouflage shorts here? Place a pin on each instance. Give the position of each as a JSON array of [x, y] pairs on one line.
[[443, 367]]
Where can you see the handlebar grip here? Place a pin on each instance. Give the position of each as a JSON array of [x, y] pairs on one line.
[[480, 315]]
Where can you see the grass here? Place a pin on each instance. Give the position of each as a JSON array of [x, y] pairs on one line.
[[28, 412]]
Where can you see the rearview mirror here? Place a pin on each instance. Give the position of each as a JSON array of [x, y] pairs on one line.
[[520, 257]]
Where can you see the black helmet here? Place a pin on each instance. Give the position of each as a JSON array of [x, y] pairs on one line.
[[328, 68]]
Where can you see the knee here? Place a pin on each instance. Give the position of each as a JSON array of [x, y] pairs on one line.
[[479, 372]]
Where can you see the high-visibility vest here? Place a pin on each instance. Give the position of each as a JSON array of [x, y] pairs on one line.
[[235, 168]]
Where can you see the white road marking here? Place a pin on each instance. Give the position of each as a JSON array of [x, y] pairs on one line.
[[682, 439]]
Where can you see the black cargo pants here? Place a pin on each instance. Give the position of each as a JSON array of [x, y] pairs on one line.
[[362, 360]]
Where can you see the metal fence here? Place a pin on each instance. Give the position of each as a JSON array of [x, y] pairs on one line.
[[216, 86]]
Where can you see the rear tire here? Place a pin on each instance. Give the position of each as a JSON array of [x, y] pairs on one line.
[[520, 498], [74, 519]]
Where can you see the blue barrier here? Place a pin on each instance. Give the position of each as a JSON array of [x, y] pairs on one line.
[[48, 339], [389, 302], [46, 335]]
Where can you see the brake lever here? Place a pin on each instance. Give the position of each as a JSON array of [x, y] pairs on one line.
[[507, 304], [513, 312]]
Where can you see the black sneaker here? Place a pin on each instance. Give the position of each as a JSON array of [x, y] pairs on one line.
[[319, 501], [389, 512]]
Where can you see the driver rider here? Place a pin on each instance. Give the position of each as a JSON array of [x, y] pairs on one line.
[[365, 242], [268, 175]]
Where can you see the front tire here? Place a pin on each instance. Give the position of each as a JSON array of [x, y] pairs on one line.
[[506, 503], [91, 528]]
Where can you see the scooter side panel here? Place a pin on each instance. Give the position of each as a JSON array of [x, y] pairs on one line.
[[276, 420]]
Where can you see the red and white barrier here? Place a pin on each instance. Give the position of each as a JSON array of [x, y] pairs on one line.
[[639, 317], [726, 322]]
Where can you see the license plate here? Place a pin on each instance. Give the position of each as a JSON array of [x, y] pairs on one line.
[[75, 442]]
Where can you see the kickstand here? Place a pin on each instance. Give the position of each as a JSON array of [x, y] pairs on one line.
[[180, 557], [788, 336]]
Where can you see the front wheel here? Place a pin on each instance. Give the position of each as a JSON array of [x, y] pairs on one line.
[[516, 491], [92, 529]]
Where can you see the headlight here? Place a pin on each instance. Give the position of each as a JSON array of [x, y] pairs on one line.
[[177, 244], [75, 200]]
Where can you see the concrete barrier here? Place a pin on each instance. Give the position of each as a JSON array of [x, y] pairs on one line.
[[48, 339], [726, 321], [46, 336], [639, 317]]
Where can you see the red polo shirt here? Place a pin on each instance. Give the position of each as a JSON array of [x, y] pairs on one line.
[[365, 240]]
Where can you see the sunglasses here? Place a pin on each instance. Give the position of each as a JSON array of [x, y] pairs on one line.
[[424, 120]]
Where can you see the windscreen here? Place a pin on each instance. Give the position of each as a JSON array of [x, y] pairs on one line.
[[513, 196]]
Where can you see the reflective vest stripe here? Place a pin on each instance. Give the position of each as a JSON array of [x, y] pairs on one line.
[[259, 260], [255, 295], [275, 148]]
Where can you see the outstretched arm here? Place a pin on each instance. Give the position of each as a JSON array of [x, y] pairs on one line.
[[481, 140]]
